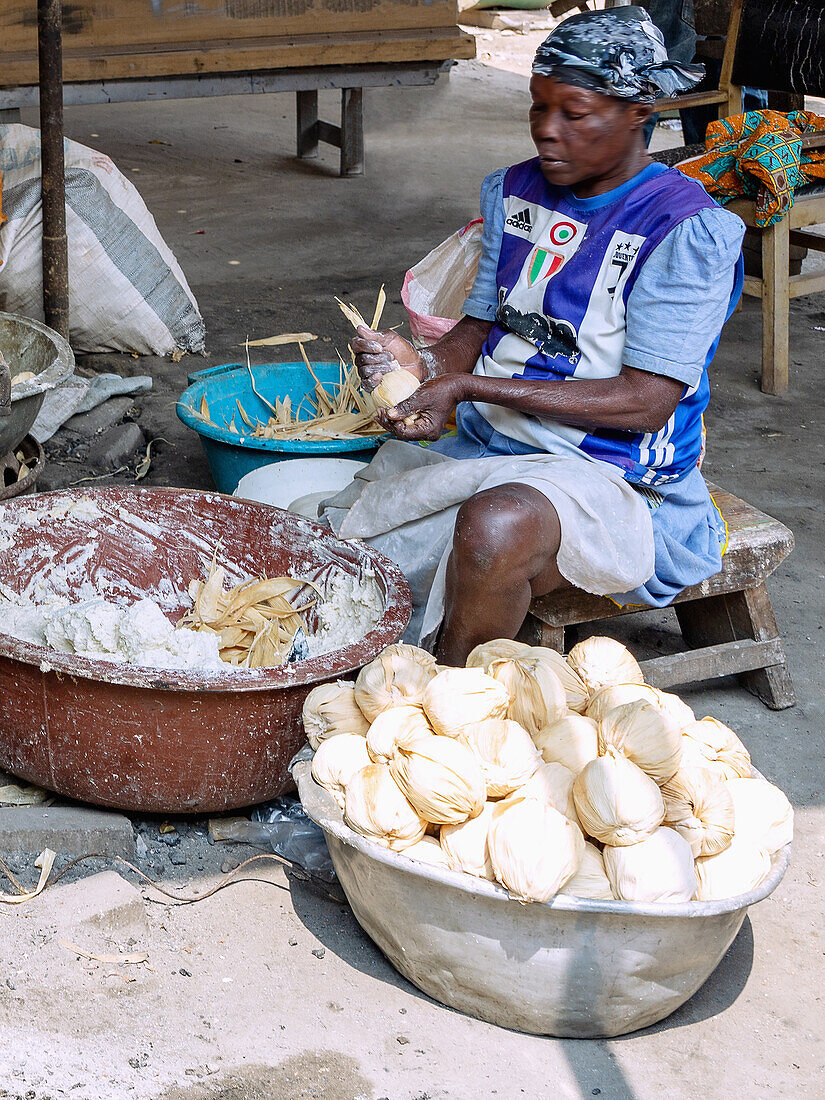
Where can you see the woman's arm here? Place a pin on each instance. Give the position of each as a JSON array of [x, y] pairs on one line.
[[634, 400], [377, 353]]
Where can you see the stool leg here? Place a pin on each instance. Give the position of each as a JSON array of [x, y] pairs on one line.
[[752, 614], [732, 617], [306, 110], [536, 632]]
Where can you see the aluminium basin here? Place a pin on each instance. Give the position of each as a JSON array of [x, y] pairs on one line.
[[570, 967], [165, 741], [29, 345]]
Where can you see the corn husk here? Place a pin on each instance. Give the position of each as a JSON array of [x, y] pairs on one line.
[[395, 386], [645, 735], [414, 653], [391, 680], [376, 808], [505, 649], [601, 662], [395, 726], [536, 694], [460, 697], [675, 708], [533, 848], [255, 622], [714, 745], [658, 869], [590, 881], [762, 812], [699, 807], [737, 870], [442, 778], [428, 850], [330, 709], [618, 695], [572, 740], [508, 756], [465, 844], [552, 783], [336, 762], [616, 802], [574, 687], [498, 649]]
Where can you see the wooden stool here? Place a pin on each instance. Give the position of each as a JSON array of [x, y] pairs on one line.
[[727, 621]]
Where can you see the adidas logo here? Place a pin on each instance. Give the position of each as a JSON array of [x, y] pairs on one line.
[[521, 220]]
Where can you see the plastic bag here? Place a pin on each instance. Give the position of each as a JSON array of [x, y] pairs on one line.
[[434, 290], [283, 826]]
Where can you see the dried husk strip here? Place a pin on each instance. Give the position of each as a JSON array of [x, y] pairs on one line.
[[256, 624]]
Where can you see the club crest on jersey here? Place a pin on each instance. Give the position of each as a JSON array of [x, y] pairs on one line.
[[544, 263], [562, 233]]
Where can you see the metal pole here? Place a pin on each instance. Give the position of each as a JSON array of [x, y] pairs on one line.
[[55, 246]]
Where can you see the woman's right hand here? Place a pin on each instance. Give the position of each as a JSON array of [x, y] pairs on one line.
[[378, 353]]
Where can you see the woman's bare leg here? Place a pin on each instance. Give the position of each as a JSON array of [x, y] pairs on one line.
[[504, 553]]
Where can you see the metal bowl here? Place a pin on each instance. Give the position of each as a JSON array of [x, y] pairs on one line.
[[570, 967], [29, 345], [166, 741]]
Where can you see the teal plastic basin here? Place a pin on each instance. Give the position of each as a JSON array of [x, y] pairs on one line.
[[232, 456]]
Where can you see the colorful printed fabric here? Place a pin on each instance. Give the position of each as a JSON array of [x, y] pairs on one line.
[[620, 52], [759, 155]]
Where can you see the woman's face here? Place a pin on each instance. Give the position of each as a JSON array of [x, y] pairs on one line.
[[583, 136]]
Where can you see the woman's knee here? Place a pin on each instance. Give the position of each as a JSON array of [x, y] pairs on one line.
[[506, 528]]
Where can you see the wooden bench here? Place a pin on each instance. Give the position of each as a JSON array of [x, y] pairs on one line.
[[727, 621], [133, 50]]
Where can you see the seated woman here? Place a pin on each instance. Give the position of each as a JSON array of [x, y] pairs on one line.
[[579, 372]]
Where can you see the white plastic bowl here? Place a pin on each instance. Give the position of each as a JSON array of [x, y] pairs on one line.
[[300, 484], [571, 967]]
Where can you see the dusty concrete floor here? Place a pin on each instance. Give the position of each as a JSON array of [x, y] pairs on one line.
[[258, 1015]]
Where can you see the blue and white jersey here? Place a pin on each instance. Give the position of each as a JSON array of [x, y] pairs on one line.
[[564, 277]]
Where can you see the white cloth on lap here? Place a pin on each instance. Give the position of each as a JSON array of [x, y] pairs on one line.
[[406, 501]]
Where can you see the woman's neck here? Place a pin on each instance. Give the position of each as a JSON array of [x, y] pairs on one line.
[[589, 189]]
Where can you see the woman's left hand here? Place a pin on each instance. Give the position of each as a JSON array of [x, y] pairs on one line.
[[430, 406]]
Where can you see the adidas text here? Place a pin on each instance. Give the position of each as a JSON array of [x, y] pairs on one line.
[[521, 220]]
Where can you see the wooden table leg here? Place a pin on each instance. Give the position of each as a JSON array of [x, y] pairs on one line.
[[352, 131], [775, 307], [306, 113]]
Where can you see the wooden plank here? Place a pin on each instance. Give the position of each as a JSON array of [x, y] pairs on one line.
[[810, 283], [691, 99], [757, 544], [193, 86], [724, 659], [775, 302], [808, 240], [807, 210], [752, 286], [139, 23], [312, 51]]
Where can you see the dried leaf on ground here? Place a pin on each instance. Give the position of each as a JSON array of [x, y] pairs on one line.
[[132, 958]]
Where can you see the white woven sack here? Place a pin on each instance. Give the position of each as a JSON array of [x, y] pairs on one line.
[[126, 289]]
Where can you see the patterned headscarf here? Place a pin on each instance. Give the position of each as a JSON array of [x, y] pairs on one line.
[[619, 52]]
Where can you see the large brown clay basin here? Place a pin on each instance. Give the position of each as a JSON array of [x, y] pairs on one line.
[[158, 740]]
